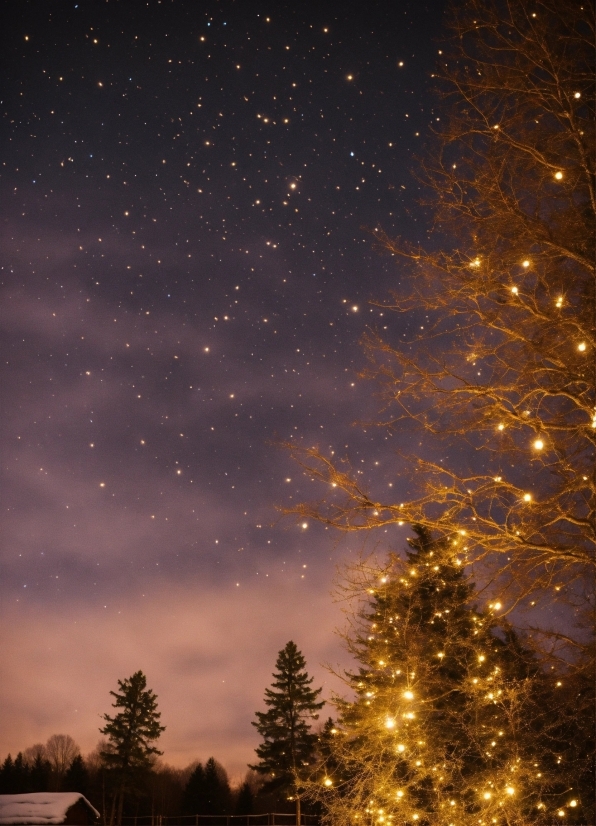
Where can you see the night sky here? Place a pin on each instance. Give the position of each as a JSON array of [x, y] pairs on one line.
[[186, 273]]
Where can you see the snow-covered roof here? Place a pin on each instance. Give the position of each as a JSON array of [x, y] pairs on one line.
[[39, 807]]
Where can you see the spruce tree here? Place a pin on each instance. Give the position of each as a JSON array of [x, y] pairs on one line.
[[20, 775], [449, 724], [39, 775], [217, 789], [6, 776], [244, 800], [131, 733], [288, 745], [76, 778], [193, 801]]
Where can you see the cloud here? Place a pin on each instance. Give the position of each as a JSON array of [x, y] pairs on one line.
[[207, 653]]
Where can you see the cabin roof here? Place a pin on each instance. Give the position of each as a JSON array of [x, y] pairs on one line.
[[40, 807]]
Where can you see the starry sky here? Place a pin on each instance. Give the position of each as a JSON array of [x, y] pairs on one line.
[[186, 273]]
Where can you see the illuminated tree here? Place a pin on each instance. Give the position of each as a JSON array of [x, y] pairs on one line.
[[452, 721], [131, 732], [288, 745], [501, 382]]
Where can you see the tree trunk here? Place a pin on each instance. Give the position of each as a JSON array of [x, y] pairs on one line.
[[298, 812]]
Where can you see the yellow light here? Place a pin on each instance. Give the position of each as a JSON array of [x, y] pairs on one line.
[[510, 790], [487, 795], [561, 813], [389, 723], [560, 301], [581, 346], [481, 658], [538, 444], [525, 264], [401, 794], [328, 782], [514, 290], [573, 803], [401, 747], [408, 695], [497, 606], [558, 175], [577, 95], [527, 497]]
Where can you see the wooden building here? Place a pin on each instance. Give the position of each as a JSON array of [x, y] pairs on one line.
[[50, 808]]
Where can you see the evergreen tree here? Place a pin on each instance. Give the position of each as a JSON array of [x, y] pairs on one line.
[[6, 776], [76, 778], [193, 801], [39, 775], [20, 775], [217, 789], [288, 743], [131, 732], [450, 721], [244, 800]]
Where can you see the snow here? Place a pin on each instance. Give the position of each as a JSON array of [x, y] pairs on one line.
[[39, 807]]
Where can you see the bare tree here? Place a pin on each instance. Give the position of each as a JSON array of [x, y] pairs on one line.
[[502, 380], [61, 750], [33, 753]]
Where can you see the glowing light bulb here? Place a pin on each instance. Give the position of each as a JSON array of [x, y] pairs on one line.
[[389, 723], [487, 795], [514, 290], [408, 695], [573, 803], [561, 813], [481, 658], [558, 175], [581, 346], [497, 605], [401, 748], [559, 301], [401, 794], [527, 497], [525, 264], [577, 95], [538, 444], [510, 790], [501, 426]]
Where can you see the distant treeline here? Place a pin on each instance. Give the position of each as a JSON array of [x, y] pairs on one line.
[[165, 791]]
